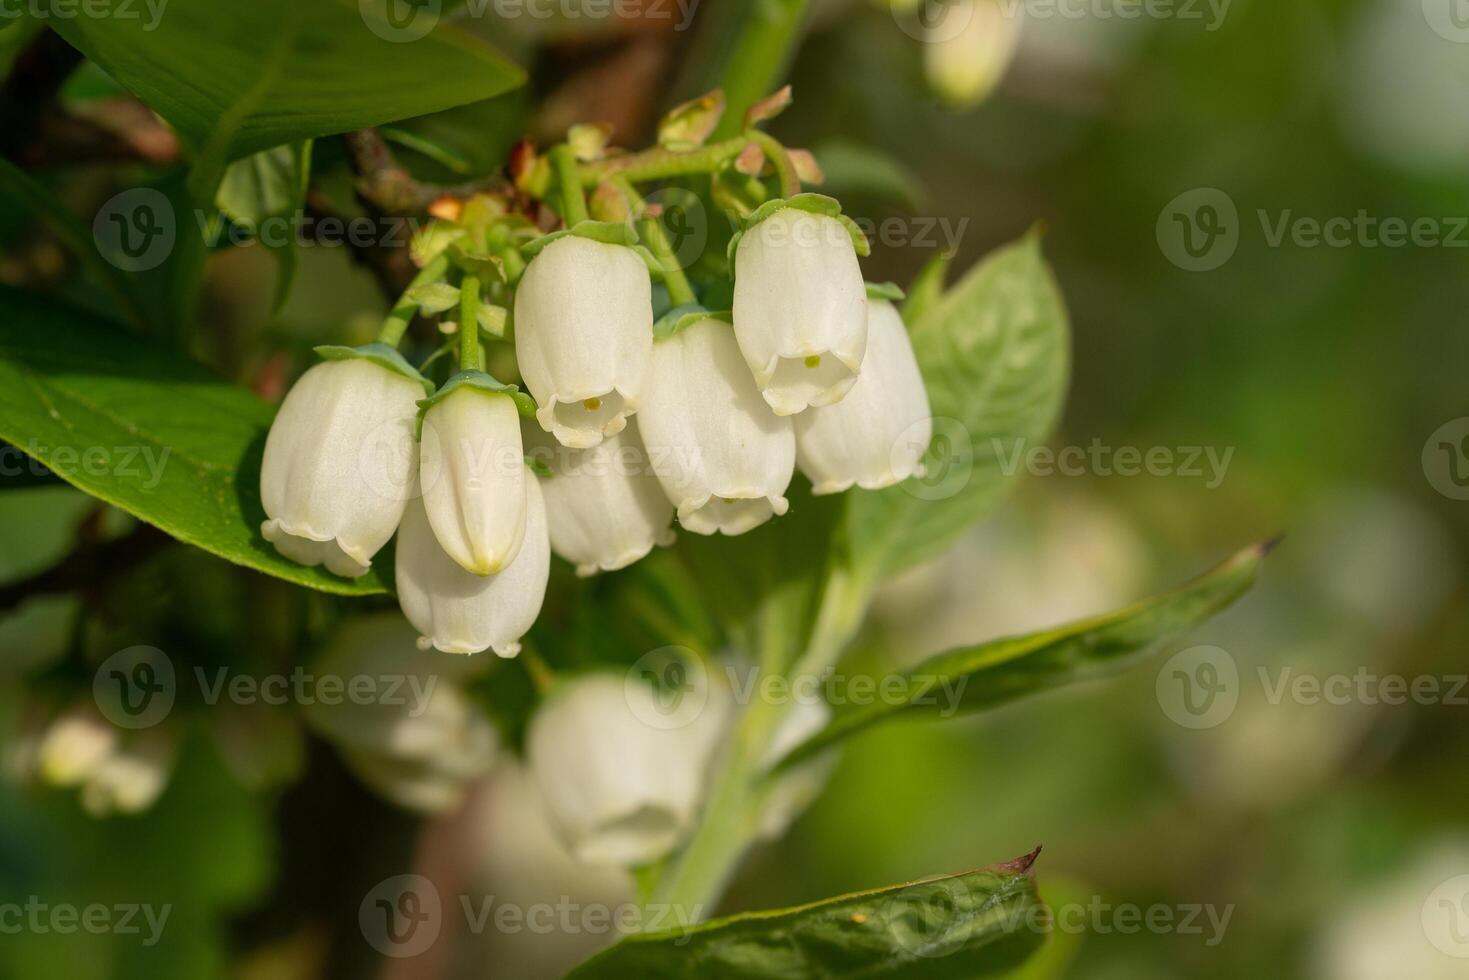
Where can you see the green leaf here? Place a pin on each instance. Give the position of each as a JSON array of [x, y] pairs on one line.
[[995, 355], [974, 924], [855, 171], [927, 288], [147, 431], [976, 678], [250, 76], [270, 186]]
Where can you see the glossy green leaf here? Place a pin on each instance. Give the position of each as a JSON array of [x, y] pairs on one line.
[[995, 355], [975, 678], [145, 430], [265, 192], [964, 926], [258, 74]]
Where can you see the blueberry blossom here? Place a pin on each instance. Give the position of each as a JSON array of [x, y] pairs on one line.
[[460, 612], [800, 308], [338, 463], [877, 435], [728, 457], [583, 337]]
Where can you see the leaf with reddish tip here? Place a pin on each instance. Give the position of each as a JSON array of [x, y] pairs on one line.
[[689, 125], [769, 107]]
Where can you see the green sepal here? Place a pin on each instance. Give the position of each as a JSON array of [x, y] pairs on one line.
[[606, 232], [890, 291], [539, 466], [380, 354], [816, 204], [524, 404], [682, 317]]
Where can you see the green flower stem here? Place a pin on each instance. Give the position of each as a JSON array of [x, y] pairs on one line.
[[569, 181], [729, 820], [469, 356], [785, 170], [404, 310], [651, 228], [661, 164]]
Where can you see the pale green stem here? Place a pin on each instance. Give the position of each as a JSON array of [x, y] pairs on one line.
[[679, 290], [569, 180], [469, 356], [661, 164], [396, 324], [785, 170]]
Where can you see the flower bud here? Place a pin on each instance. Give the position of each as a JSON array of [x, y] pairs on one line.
[[726, 459], [338, 464], [800, 309], [877, 435], [459, 612], [472, 471], [75, 746], [969, 48], [622, 788], [583, 337], [133, 777], [604, 505]]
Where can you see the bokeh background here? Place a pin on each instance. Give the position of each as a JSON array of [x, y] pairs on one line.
[[1326, 375]]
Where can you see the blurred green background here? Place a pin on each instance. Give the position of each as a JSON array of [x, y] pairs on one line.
[[1322, 374]]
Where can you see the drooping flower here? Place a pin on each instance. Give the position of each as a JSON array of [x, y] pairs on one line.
[[459, 612], [472, 471], [725, 459], [75, 746], [622, 785], [339, 463], [583, 337], [800, 308], [877, 435], [969, 48], [604, 505]]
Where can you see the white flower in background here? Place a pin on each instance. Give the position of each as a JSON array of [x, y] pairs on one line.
[[725, 458], [424, 747], [522, 862], [800, 309], [338, 464], [583, 337], [604, 505], [459, 612], [472, 471], [622, 788], [131, 779], [969, 48], [792, 791], [877, 435], [75, 746]]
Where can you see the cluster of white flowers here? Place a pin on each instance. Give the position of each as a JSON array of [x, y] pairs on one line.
[[115, 772], [811, 373]]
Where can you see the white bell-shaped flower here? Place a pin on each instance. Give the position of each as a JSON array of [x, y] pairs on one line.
[[723, 457], [339, 464], [969, 47], [800, 309], [583, 337], [75, 746], [459, 612], [472, 471], [132, 778], [790, 792], [604, 505], [877, 435], [622, 777]]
